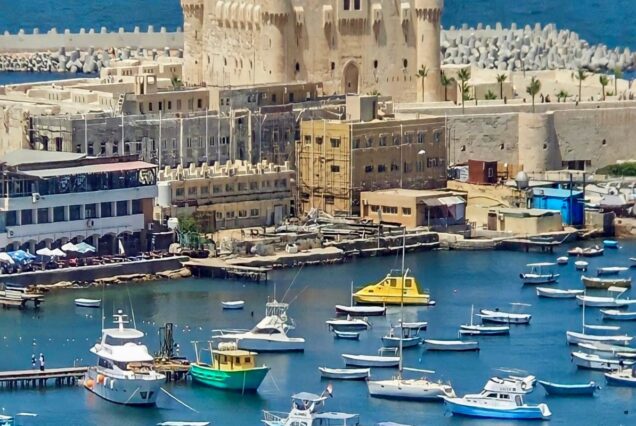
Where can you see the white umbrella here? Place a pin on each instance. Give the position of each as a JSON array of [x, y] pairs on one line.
[[69, 247], [5, 258], [44, 252], [57, 252]]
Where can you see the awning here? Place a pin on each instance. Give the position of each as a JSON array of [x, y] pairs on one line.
[[432, 202], [451, 201], [94, 168]]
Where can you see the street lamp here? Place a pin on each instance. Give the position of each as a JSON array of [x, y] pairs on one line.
[[420, 152]]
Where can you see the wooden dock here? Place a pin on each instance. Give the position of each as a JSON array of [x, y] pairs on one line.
[[175, 369], [37, 378], [19, 298], [218, 268]]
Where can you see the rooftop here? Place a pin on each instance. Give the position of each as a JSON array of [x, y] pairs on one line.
[[29, 156], [418, 193], [556, 192]]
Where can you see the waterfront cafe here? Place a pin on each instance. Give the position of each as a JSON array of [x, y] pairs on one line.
[[48, 199]]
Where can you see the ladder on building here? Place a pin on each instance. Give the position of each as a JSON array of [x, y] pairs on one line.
[[120, 103]]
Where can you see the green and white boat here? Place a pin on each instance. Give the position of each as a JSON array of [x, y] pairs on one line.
[[231, 368]]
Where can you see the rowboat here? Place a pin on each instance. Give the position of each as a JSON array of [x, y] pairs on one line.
[[538, 275], [451, 345], [581, 265], [607, 349], [380, 360], [344, 373], [88, 303], [569, 389], [361, 311], [586, 252], [613, 314], [611, 270], [410, 335], [233, 304], [594, 282], [574, 338], [595, 362], [563, 260], [480, 329], [556, 293], [496, 316], [348, 324], [622, 377], [610, 243], [350, 335]]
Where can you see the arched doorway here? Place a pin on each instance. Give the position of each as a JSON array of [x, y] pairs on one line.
[[351, 76]]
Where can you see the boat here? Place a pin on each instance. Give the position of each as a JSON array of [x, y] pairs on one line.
[[563, 260], [380, 360], [496, 401], [595, 282], [622, 377], [596, 362], [552, 388], [451, 345], [538, 275], [480, 329], [230, 368], [496, 316], [306, 411], [581, 265], [348, 324], [269, 335], [178, 423], [88, 303], [345, 373], [633, 260], [233, 304], [401, 388], [586, 252], [614, 314], [574, 337], [555, 293], [606, 301], [613, 350], [408, 334], [349, 335], [361, 311], [390, 289], [611, 270], [125, 372], [610, 244]]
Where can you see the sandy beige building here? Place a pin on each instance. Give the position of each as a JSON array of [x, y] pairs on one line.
[[352, 46], [235, 195], [516, 221]]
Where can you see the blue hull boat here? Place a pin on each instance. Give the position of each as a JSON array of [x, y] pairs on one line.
[[523, 412], [610, 243], [569, 389], [621, 378]]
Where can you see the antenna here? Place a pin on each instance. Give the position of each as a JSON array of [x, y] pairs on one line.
[[103, 317]]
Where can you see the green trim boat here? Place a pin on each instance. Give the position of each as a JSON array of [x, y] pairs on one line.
[[231, 369]]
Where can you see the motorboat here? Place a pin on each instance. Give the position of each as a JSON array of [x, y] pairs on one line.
[[348, 324], [392, 289], [401, 388], [574, 337], [555, 293], [605, 283], [349, 335], [581, 265], [497, 316], [407, 333], [614, 314], [563, 260], [622, 377], [230, 368], [233, 304], [586, 252], [613, 301], [125, 372], [269, 335], [552, 388], [451, 345], [596, 362], [344, 373], [497, 401], [380, 360], [88, 303], [611, 270], [610, 244], [480, 329], [306, 411], [6, 420], [616, 351], [538, 274], [361, 311]]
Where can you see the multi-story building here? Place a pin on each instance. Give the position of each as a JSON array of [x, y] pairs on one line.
[[50, 198], [234, 195], [337, 159]]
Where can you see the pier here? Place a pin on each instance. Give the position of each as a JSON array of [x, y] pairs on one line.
[[37, 378], [17, 298], [218, 268]]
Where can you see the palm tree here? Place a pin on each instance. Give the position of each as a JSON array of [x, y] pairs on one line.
[[580, 76], [500, 79], [490, 96], [464, 75], [446, 82], [563, 95], [618, 73], [604, 80], [533, 89], [422, 73]]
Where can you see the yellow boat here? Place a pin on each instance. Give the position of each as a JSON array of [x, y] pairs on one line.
[[388, 292]]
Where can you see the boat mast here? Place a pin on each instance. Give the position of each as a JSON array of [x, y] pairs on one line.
[[351, 295], [402, 299]]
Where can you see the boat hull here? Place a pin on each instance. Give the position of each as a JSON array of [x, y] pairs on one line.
[[394, 342], [612, 314], [361, 311], [232, 305], [587, 389], [457, 406], [618, 379], [558, 294], [344, 373], [88, 303], [483, 331], [264, 344], [437, 345], [606, 283], [407, 390], [503, 318], [365, 361], [539, 279], [346, 326], [349, 335], [393, 300], [597, 363], [138, 392], [574, 338], [242, 381]]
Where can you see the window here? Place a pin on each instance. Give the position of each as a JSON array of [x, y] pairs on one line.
[[192, 190], [179, 192], [356, 4], [273, 98], [381, 168], [27, 217], [43, 215], [491, 172], [421, 137], [254, 185], [122, 208], [356, 143], [335, 168], [369, 142], [394, 167], [199, 103], [219, 215], [374, 208], [136, 206], [368, 169], [382, 140], [396, 140], [347, 5], [160, 106], [178, 103], [216, 189], [58, 214], [205, 190], [229, 215], [75, 212], [90, 211], [329, 199], [335, 142], [436, 135], [149, 106], [242, 213], [169, 105], [389, 210], [107, 210], [229, 187], [242, 186], [254, 212], [318, 140], [307, 140], [406, 211]]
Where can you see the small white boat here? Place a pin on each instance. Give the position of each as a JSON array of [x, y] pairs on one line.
[[613, 314], [349, 335], [552, 388], [555, 293], [410, 332], [613, 301], [177, 423], [605, 283], [233, 304], [610, 244], [611, 270], [361, 311], [496, 316], [604, 348], [451, 345], [345, 373], [88, 303], [622, 377], [307, 410], [380, 360], [574, 338], [581, 265], [410, 389], [563, 260], [538, 274], [586, 252], [595, 362], [348, 324], [480, 329]]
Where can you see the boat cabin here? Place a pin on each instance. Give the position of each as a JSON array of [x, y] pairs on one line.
[[502, 396], [392, 284], [233, 360]]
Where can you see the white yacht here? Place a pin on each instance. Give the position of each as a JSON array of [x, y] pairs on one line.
[[306, 411], [124, 373], [269, 335]]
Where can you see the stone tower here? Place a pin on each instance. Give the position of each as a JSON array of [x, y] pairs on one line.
[[277, 14], [427, 26], [193, 11]]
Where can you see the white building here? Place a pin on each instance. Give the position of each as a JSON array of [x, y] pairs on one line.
[[50, 198]]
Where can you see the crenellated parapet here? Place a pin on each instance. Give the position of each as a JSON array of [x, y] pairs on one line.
[[192, 8], [429, 10]]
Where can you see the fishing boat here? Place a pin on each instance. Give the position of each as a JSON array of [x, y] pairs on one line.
[[552, 388], [380, 360], [622, 377], [596, 362], [563, 260], [613, 301], [538, 274], [611, 270], [497, 316], [230, 368], [610, 244], [614, 314], [581, 265], [407, 333], [574, 337], [390, 289], [586, 252], [451, 345], [555, 293], [361, 311], [616, 351], [125, 372], [348, 324], [496, 401], [344, 373], [349, 335], [480, 329], [233, 304], [269, 335], [604, 283], [88, 303]]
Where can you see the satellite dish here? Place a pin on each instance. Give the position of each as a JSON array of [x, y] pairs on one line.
[[522, 180]]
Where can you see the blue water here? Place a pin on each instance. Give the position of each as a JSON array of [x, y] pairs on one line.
[[611, 23], [32, 77], [456, 280]]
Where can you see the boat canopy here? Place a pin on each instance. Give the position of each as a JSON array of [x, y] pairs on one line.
[[308, 396], [614, 289], [540, 264], [335, 416]]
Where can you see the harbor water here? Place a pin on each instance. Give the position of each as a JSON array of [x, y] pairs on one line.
[[457, 280]]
